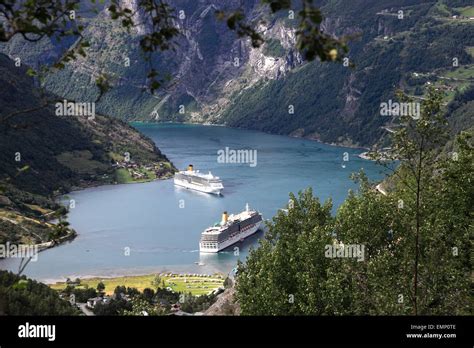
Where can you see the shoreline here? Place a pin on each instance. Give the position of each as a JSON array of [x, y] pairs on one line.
[[195, 283], [95, 184], [255, 130], [123, 273], [134, 275], [51, 244]]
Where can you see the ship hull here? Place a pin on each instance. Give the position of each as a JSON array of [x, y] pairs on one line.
[[197, 187], [250, 230]]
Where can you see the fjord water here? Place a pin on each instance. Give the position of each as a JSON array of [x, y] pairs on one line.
[[151, 227]]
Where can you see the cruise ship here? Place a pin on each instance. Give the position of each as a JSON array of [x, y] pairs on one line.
[[230, 230], [193, 179]]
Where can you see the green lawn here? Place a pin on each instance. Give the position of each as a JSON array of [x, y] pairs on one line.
[[196, 285], [123, 176]]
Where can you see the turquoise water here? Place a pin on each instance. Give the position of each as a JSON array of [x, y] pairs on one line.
[[149, 219]]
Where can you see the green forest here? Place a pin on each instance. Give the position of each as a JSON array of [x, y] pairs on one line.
[[401, 250], [421, 42], [22, 296], [416, 238]]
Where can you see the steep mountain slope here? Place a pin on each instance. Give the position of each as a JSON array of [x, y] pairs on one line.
[[209, 64], [43, 154], [216, 77], [342, 105]]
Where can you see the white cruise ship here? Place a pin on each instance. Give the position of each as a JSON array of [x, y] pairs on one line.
[[193, 179], [230, 230]]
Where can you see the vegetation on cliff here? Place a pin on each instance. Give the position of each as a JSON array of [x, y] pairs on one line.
[[44, 155]]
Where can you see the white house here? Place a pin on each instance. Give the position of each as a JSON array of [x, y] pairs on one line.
[[92, 302]]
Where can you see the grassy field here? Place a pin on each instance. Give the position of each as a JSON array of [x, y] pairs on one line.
[[467, 11], [81, 161], [22, 229], [123, 176], [463, 72], [451, 81], [38, 208], [196, 285]]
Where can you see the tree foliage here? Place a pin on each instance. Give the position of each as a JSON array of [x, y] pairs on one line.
[[23, 296], [415, 238], [34, 20]]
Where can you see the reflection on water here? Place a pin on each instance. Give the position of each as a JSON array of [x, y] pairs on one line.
[[160, 224]]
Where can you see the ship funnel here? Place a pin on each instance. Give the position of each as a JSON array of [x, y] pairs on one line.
[[247, 209], [224, 218], [190, 168]]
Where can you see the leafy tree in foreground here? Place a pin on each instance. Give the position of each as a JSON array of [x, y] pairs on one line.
[[287, 273], [415, 239], [23, 296], [141, 307]]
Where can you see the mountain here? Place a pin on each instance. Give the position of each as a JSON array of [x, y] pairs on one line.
[[216, 77], [208, 66], [44, 155]]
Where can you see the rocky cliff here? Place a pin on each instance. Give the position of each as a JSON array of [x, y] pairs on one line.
[[215, 77]]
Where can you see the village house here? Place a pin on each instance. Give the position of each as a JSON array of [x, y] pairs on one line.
[[92, 302]]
